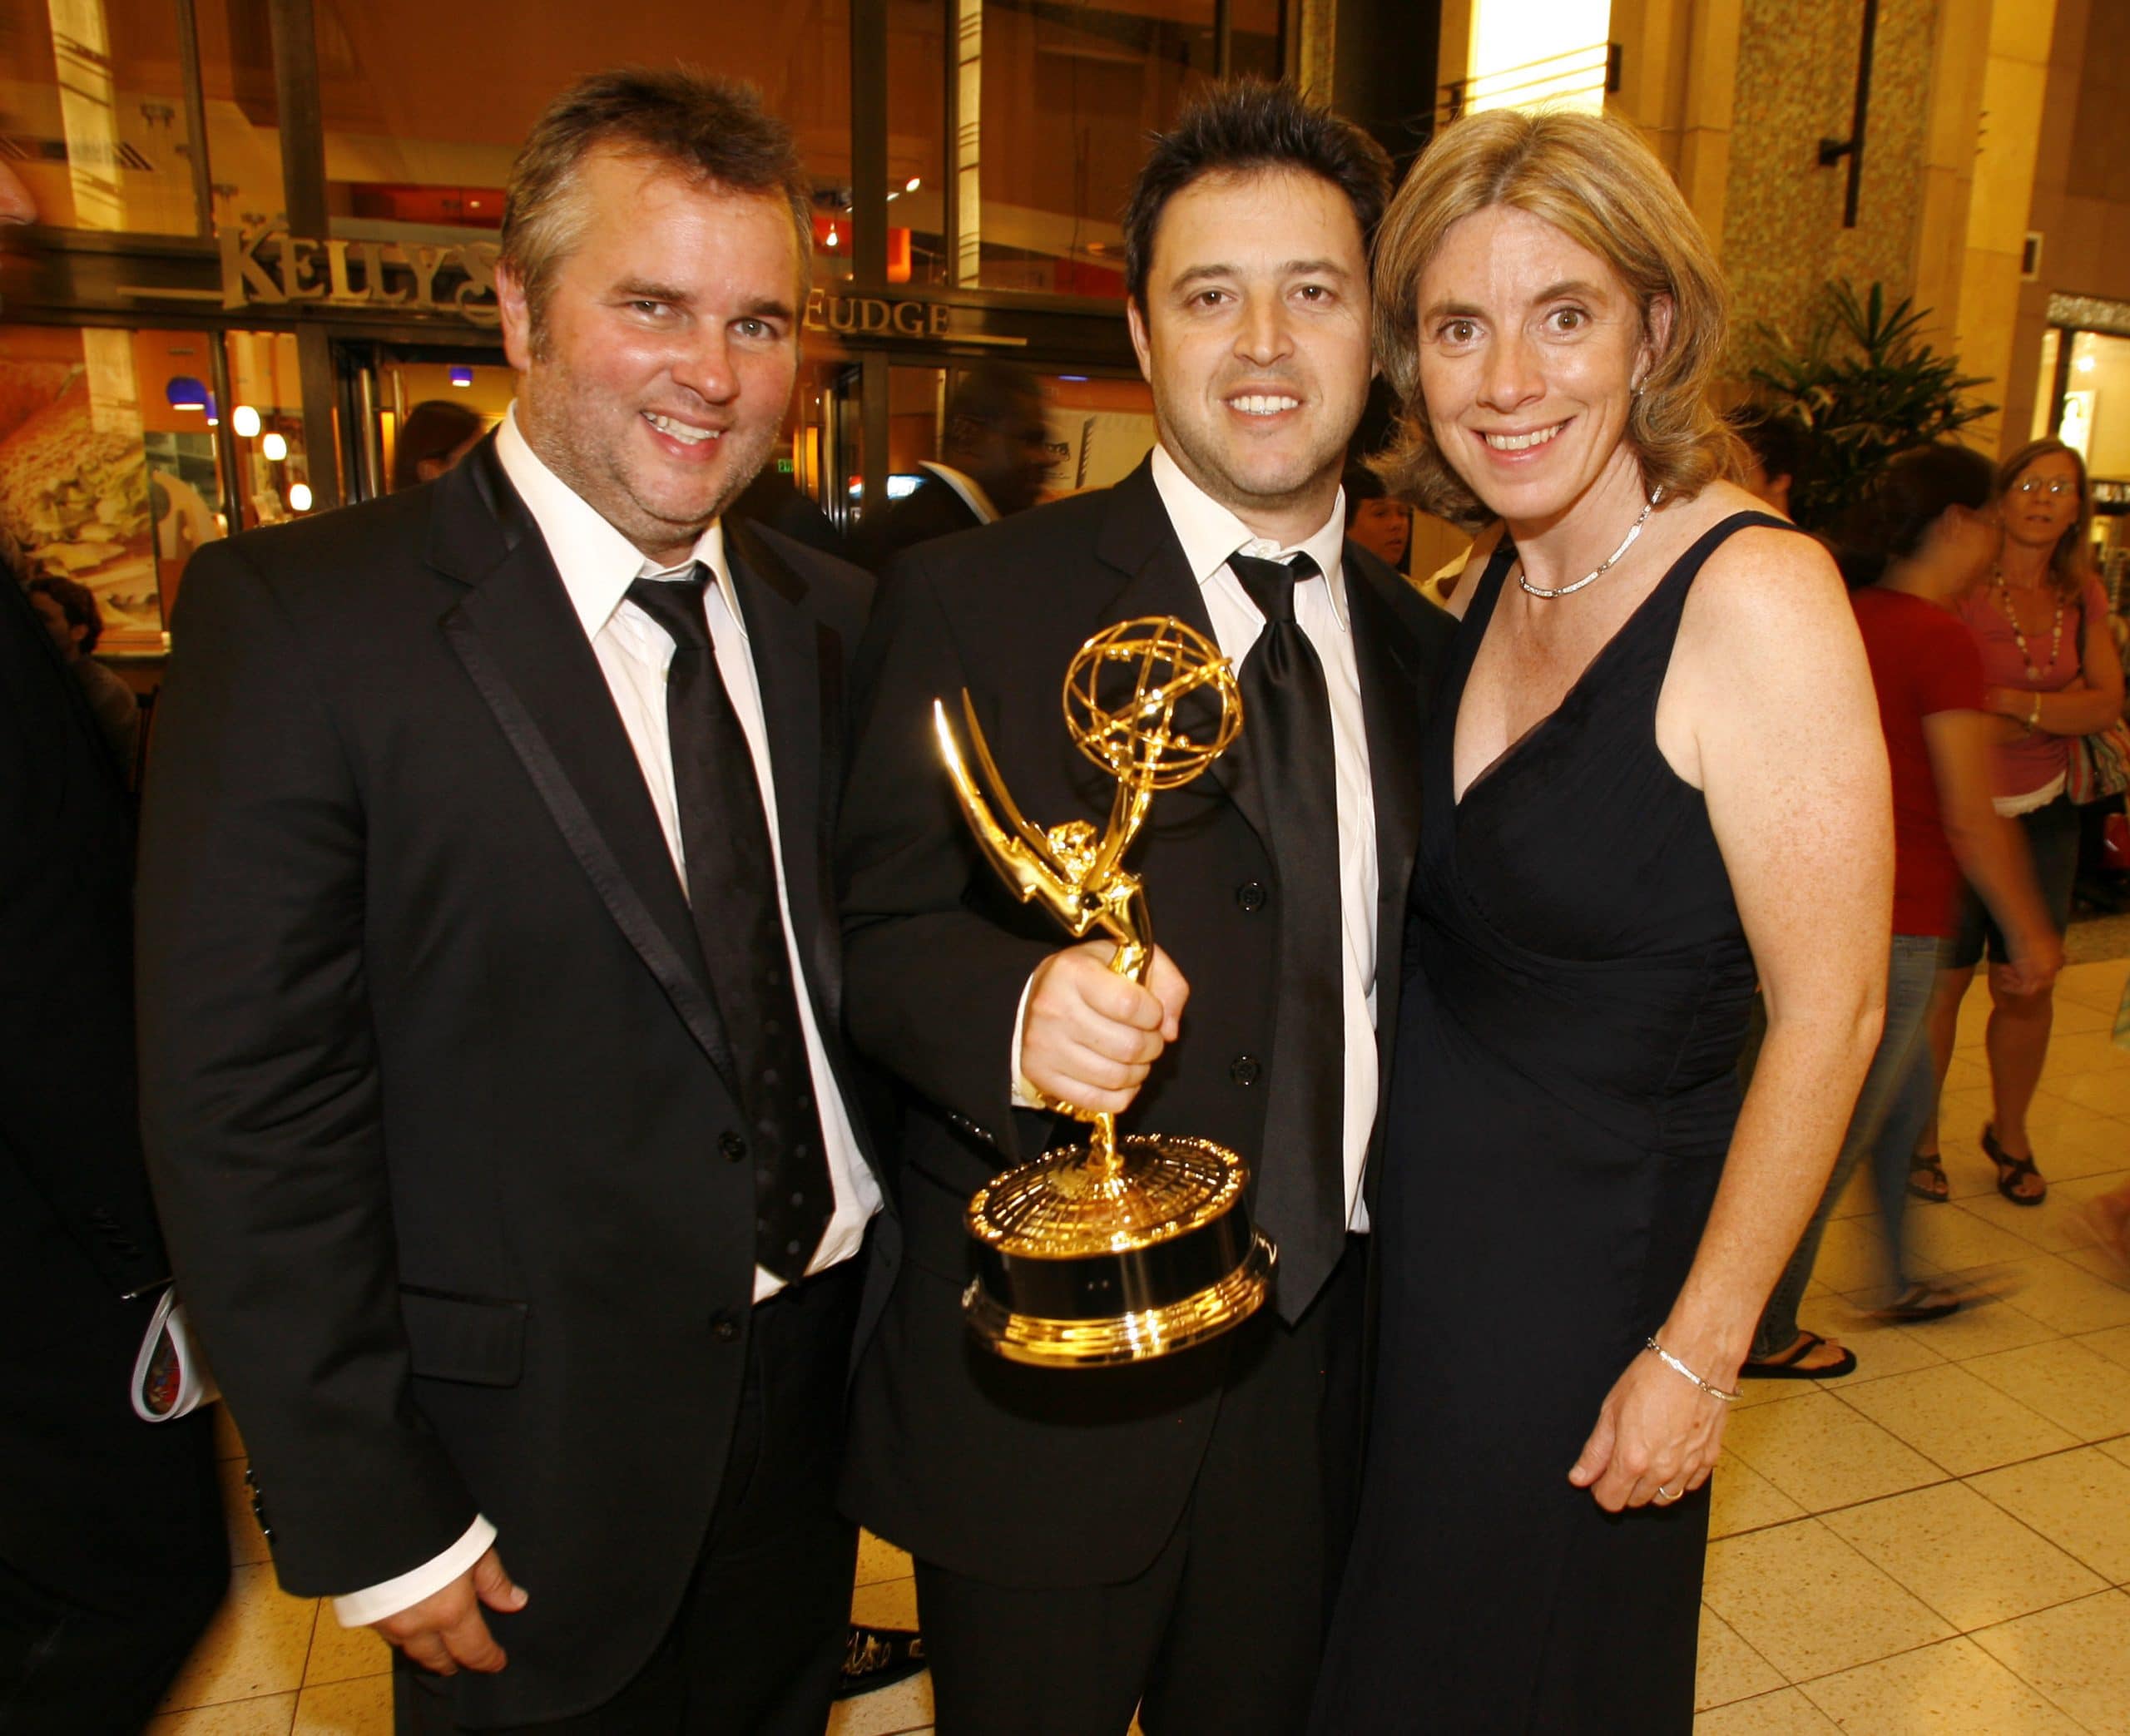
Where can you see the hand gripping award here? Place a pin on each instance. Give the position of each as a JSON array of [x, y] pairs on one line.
[[1124, 1247]]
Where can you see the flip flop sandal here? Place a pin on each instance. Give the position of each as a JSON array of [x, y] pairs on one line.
[[2011, 1170], [1932, 1164], [1788, 1369], [1918, 1302]]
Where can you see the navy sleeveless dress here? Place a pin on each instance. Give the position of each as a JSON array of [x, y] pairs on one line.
[[1577, 983]]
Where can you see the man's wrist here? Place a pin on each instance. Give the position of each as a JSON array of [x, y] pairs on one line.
[[378, 1603]]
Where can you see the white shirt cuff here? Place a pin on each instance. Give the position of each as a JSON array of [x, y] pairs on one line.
[[1025, 1094], [360, 1609]]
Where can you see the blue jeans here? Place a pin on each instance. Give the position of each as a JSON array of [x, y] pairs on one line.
[[1890, 1110]]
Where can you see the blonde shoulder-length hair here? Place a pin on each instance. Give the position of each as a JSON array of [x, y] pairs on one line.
[[1594, 179]]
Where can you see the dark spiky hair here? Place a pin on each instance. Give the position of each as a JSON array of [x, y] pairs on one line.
[[1245, 127]]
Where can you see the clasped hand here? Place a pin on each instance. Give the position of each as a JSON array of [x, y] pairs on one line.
[[1656, 1430], [1089, 1036]]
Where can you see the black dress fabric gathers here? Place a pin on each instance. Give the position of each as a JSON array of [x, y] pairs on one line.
[[1577, 983]]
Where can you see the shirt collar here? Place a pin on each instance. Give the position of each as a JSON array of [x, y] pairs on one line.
[[596, 562], [1209, 532], [966, 485]]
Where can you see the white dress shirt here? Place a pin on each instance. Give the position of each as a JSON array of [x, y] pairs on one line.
[[966, 485], [598, 564], [1210, 533]]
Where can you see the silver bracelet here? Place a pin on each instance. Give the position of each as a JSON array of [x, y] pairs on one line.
[[1678, 1367]]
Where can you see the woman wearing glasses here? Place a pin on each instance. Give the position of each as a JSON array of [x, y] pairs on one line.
[[2053, 675]]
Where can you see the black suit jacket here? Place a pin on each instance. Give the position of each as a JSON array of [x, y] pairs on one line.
[[437, 1101], [930, 510], [1035, 1476]]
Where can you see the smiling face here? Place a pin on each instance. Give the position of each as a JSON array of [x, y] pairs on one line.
[[2033, 514], [1254, 338], [1530, 347], [670, 345]]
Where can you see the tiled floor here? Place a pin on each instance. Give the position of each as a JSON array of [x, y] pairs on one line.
[[1939, 1543]]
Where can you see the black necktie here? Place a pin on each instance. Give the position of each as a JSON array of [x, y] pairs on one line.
[[1287, 718], [731, 887]]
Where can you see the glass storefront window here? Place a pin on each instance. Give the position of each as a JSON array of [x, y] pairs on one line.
[[1055, 106], [424, 114]]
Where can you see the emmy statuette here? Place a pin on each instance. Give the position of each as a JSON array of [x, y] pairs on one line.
[[1122, 1248]]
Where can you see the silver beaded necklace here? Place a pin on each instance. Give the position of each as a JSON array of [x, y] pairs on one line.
[[1604, 565], [2019, 636]]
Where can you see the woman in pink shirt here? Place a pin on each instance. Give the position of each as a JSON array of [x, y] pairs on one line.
[[2052, 675]]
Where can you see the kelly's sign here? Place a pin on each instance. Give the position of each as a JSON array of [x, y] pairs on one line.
[[272, 267]]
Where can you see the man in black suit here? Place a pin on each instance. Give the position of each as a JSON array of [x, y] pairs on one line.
[[113, 1553], [993, 455], [1165, 1535], [491, 986]]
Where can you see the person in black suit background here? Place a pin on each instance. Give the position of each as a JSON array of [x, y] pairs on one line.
[[1164, 1535], [993, 455], [113, 1555], [491, 988]]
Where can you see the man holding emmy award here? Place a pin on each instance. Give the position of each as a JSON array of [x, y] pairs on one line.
[[1159, 1531]]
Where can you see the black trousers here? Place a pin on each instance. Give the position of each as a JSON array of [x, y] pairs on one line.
[[756, 1647], [1222, 1634], [114, 1555]]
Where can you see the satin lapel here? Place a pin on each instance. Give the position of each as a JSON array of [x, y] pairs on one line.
[[525, 649], [799, 673], [1139, 542]]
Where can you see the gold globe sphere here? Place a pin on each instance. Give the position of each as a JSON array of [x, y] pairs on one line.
[[1122, 695]]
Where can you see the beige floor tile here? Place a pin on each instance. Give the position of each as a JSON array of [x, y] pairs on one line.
[[2113, 1342], [878, 1560], [269, 1715], [2080, 1500], [2097, 985], [1820, 1452], [247, 1544], [1858, 1199], [1958, 1239], [886, 1604], [1741, 1500], [1967, 1072], [361, 1707], [2078, 1654], [1953, 1689], [256, 1646], [1786, 1712], [2118, 1450], [341, 1654], [2073, 1052], [2059, 1291], [1968, 1560], [1729, 1669], [1983, 1325], [2054, 1226], [1809, 1604], [1956, 1421], [2109, 1093], [2079, 1018], [2071, 1385], [904, 1707], [228, 1443]]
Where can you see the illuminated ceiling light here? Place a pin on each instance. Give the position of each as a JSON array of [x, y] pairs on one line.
[[300, 497], [2085, 365], [185, 392], [913, 184], [462, 376], [276, 446], [245, 419], [831, 240]]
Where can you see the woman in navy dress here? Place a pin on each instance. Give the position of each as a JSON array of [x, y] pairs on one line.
[[1654, 775]]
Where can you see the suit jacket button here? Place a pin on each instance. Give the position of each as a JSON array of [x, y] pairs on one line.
[[724, 1327], [1251, 896], [1245, 1070], [732, 1146]]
